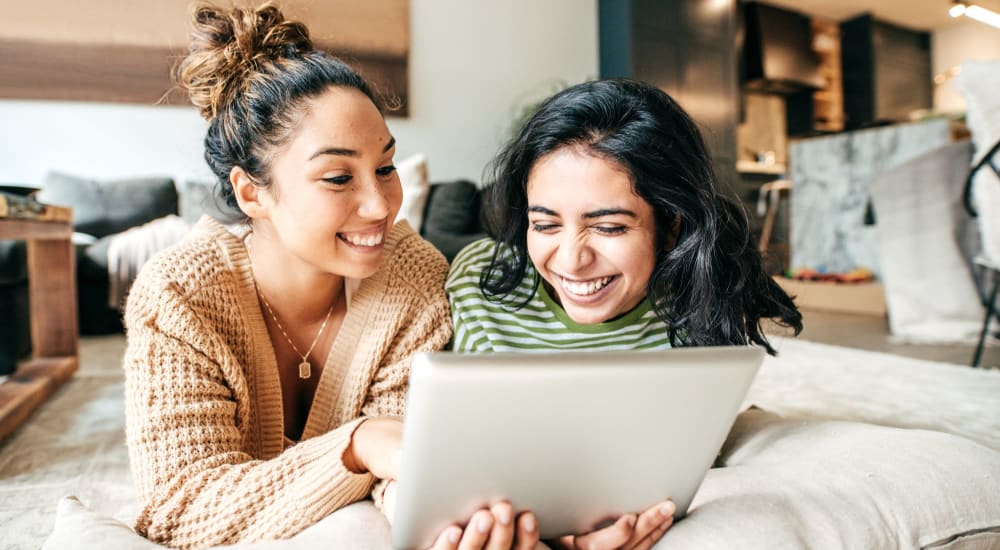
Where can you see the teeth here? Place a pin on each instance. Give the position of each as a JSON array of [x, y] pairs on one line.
[[585, 288], [358, 240]]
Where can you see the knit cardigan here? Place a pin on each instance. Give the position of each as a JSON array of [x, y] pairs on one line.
[[204, 417]]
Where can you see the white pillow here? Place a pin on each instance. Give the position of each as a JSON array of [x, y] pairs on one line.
[[413, 175], [80, 527], [358, 526], [814, 483]]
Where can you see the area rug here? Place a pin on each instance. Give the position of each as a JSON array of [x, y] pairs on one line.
[[75, 444]]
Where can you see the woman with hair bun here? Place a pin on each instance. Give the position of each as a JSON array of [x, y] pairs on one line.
[[266, 366]]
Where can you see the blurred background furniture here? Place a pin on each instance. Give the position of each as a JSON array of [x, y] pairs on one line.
[[768, 205], [990, 266], [101, 209], [978, 82], [46, 230], [104, 210]]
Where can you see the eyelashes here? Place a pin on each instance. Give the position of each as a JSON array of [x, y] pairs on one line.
[[602, 229], [340, 181]]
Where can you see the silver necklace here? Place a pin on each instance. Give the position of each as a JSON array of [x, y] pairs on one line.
[[305, 367]]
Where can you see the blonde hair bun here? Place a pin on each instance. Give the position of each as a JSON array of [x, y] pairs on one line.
[[228, 47]]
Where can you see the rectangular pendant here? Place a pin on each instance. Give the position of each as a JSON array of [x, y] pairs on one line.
[[305, 370]]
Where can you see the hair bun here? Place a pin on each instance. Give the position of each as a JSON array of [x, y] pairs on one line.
[[227, 48]]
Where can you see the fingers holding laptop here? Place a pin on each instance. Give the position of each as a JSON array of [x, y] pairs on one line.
[[651, 525], [628, 533], [495, 528], [518, 532]]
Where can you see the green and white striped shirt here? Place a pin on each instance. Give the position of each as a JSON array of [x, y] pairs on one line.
[[541, 324]]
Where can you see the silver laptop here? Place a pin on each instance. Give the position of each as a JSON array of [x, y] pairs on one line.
[[578, 438]]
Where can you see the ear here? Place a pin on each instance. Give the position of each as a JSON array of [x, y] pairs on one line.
[[248, 195], [674, 233]]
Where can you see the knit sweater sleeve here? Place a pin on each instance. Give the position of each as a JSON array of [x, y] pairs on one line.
[[187, 415], [427, 328]]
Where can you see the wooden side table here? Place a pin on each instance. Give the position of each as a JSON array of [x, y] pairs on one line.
[[52, 296]]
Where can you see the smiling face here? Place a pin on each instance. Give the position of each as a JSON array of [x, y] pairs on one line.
[[335, 191], [590, 237]]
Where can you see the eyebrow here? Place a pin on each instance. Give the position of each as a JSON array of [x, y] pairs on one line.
[[344, 152], [589, 215]]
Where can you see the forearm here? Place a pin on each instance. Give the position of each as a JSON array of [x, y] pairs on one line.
[[230, 498]]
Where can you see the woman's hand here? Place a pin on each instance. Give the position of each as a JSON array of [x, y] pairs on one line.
[[495, 528], [375, 447], [489, 529], [628, 533]]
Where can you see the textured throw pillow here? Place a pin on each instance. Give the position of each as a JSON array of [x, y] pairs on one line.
[[809, 483], [979, 84], [413, 175], [101, 208]]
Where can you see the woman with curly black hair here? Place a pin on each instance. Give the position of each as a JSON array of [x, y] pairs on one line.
[[609, 231]]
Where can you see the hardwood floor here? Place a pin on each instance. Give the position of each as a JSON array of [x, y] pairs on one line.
[[872, 333]]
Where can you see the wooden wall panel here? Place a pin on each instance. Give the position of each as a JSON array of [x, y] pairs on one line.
[[123, 51]]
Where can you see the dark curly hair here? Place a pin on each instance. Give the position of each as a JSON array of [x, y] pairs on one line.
[[251, 73], [710, 288]]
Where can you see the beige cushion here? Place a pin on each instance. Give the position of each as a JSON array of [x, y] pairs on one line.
[[791, 483], [415, 179], [79, 527], [359, 526]]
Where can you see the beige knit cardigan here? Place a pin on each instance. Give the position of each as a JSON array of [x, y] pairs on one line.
[[204, 415]]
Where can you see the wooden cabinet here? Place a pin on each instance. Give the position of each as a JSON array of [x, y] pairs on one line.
[[828, 101], [886, 72], [688, 49]]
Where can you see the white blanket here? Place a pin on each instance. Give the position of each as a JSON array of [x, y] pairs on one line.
[[130, 249]]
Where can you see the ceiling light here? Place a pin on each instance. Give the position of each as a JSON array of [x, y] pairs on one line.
[[983, 15], [978, 13]]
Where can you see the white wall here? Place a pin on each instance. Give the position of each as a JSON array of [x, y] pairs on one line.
[[472, 65], [98, 140], [962, 40]]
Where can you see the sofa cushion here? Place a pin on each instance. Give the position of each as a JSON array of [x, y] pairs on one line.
[[451, 219], [199, 197], [102, 208]]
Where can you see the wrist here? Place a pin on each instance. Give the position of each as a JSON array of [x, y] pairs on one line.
[[353, 454], [375, 447]]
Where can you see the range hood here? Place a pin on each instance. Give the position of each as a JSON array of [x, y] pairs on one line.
[[778, 57]]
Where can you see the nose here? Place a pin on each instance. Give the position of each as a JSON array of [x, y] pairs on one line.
[[373, 202], [574, 253]]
